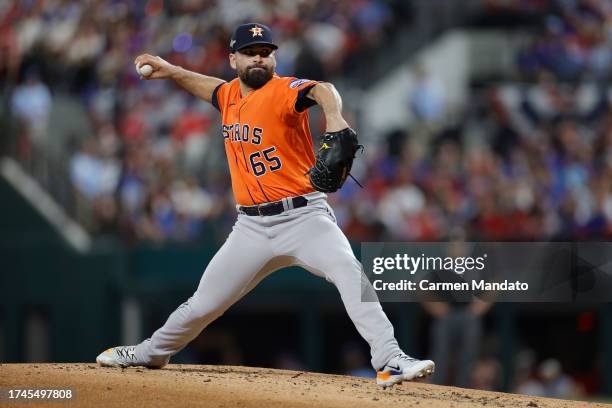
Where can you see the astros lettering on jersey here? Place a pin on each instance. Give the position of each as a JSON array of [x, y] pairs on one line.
[[269, 154]]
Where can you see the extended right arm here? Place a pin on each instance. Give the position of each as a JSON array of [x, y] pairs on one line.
[[200, 85]]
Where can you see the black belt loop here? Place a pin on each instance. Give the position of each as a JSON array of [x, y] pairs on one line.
[[274, 208]]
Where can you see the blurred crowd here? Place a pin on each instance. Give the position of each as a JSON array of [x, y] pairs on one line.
[[574, 42], [523, 162], [148, 168], [527, 160]]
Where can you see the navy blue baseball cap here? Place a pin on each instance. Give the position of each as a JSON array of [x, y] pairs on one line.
[[251, 34]]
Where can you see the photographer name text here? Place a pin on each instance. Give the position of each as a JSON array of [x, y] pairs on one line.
[[426, 285]]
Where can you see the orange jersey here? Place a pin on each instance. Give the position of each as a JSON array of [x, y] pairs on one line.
[[267, 139]]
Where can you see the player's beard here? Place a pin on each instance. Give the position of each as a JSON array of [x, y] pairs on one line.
[[256, 78]]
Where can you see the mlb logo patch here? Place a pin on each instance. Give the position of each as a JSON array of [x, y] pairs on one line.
[[297, 83]]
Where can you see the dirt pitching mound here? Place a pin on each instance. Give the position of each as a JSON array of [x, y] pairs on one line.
[[245, 387]]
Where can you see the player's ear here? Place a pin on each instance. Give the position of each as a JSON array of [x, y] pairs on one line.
[[232, 60]]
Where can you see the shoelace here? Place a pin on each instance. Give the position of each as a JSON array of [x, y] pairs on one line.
[[406, 357], [355, 180], [360, 148], [126, 352]]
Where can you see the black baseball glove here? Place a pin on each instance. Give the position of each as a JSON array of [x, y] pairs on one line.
[[334, 160]]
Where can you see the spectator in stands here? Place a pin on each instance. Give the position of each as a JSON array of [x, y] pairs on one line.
[[526, 381], [555, 383], [427, 98], [92, 174], [31, 103]]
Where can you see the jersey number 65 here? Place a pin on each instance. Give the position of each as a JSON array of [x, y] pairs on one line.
[[259, 166]]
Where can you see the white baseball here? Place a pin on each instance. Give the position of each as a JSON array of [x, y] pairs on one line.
[[145, 70]]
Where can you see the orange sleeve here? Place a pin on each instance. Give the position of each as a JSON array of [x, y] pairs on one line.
[[219, 96], [295, 100]]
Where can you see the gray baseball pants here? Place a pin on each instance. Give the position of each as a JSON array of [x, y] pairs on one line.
[[256, 247]]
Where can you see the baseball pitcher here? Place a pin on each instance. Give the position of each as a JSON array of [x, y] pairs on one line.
[[283, 216]]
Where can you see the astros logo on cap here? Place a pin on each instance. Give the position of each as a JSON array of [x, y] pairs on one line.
[[257, 31], [249, 34]]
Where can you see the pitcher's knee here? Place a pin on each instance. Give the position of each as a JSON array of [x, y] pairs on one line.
[[351, 264], [346, 268]]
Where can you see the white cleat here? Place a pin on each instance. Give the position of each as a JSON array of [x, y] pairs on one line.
[[121, 356], [403, 368]]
